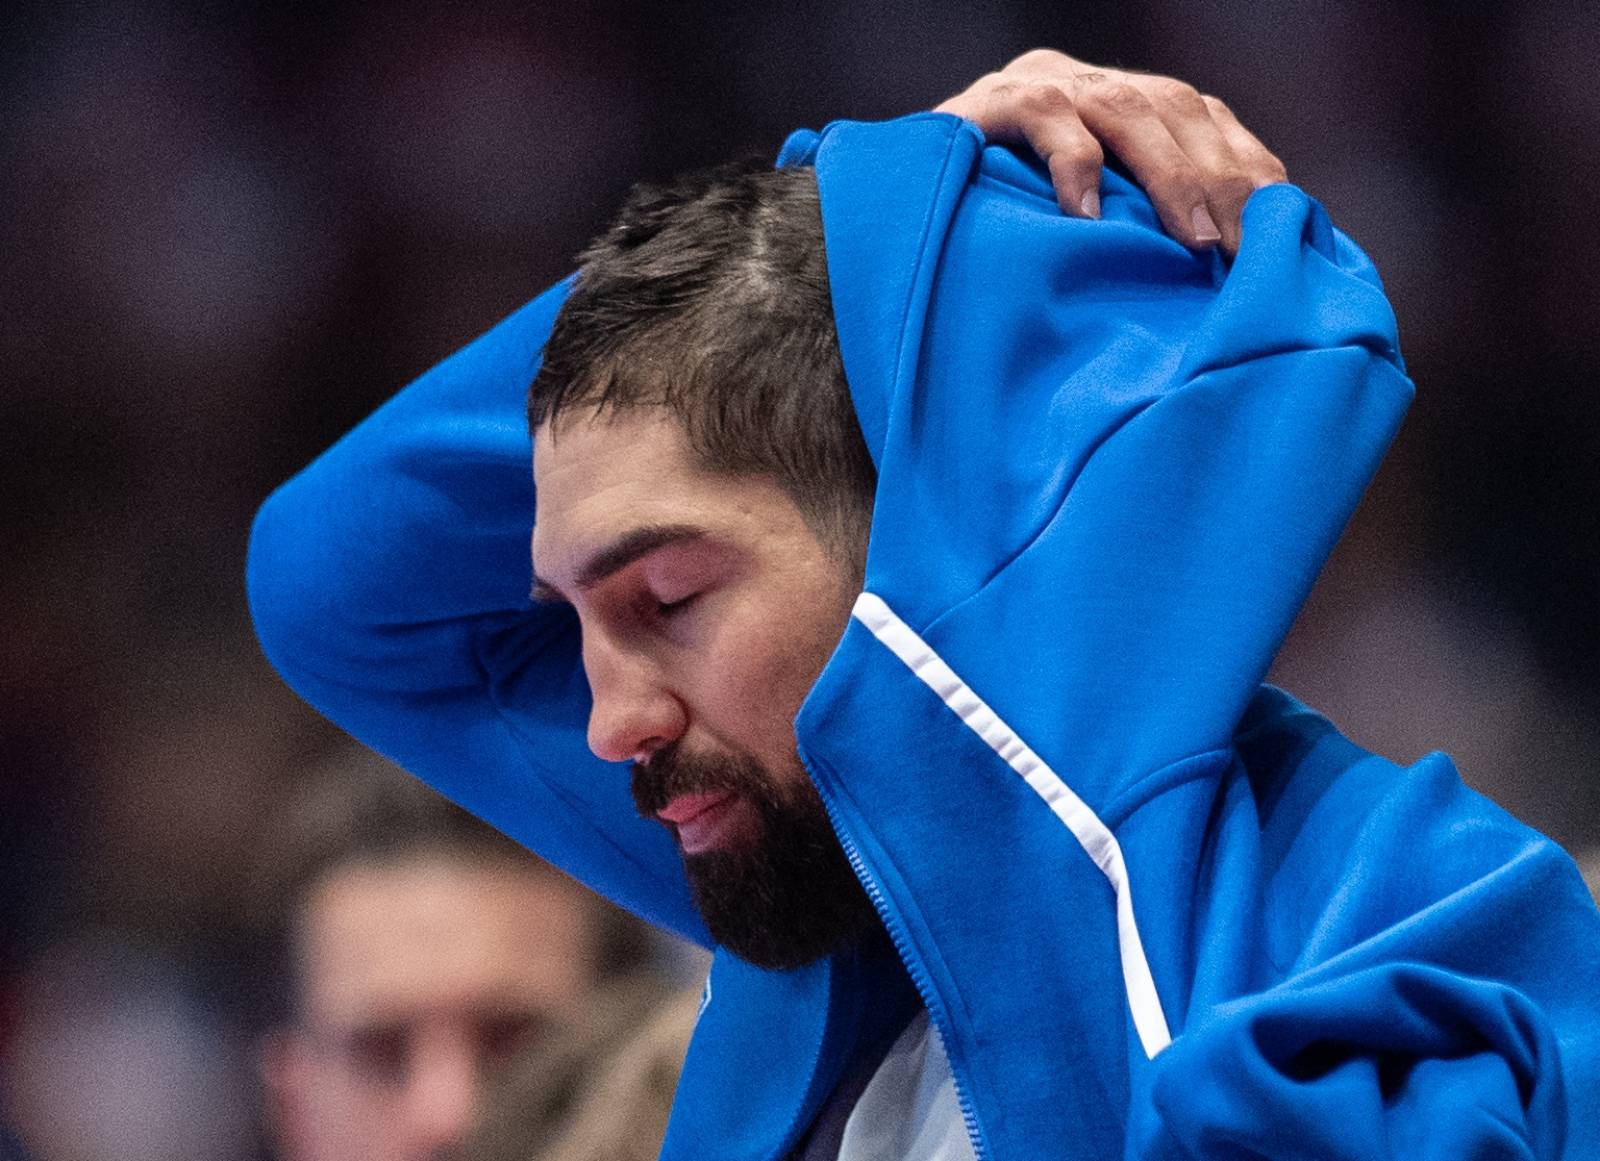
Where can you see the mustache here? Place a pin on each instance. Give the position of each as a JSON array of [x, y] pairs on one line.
[[671, 771]]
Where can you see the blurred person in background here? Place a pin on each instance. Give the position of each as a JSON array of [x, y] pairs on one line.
[[602, 1089], [418, 951]]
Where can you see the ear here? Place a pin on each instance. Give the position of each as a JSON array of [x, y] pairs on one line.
[[283, 1062]]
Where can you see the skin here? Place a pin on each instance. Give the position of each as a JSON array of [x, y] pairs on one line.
[[417, 978], [709, 641]]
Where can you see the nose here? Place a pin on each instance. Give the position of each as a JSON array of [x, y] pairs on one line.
[[441, 1099], [634, 713]]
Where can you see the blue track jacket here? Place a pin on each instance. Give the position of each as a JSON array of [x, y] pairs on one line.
[[1154, 909]]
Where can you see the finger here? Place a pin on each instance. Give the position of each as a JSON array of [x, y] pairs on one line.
[[1187, 117], [1122, 117], [968, 102], [1046, 64], [1039, 64], [1260, 164], [1044, 118], [1257, 167]]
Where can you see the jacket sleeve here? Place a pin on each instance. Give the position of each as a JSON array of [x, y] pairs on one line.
[[1402, 1062], [389, 586], [1434, 973]]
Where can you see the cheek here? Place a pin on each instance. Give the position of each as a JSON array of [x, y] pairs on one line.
[[341, 1110], [768, 663]]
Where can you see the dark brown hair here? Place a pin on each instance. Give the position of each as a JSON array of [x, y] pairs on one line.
[[708, 297]]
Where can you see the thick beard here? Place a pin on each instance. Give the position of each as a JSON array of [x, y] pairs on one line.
[[786, 898]]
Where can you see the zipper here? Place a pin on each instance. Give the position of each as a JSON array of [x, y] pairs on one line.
[[902, 947]]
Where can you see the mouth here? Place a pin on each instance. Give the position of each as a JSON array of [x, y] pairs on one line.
[[704, 821]]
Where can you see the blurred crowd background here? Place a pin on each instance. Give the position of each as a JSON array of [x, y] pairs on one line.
[[234, 229]]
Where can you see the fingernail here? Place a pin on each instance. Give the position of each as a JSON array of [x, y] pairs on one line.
[[1205, 229], [1090, 204]]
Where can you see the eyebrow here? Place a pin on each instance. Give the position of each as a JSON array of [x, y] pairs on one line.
[[618, 555]]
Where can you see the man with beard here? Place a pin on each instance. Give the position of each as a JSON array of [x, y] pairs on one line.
[[921, 549], [767, 874]]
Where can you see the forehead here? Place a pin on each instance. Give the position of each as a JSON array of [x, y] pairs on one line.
[[600, 476], [587, 457], [439, 932]]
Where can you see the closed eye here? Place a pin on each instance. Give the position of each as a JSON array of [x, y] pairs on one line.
[[668, 608]]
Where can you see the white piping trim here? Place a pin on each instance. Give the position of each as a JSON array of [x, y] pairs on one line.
[[1093, 835]]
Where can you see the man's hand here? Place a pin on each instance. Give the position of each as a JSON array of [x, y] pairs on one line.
[[1186, 149]]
